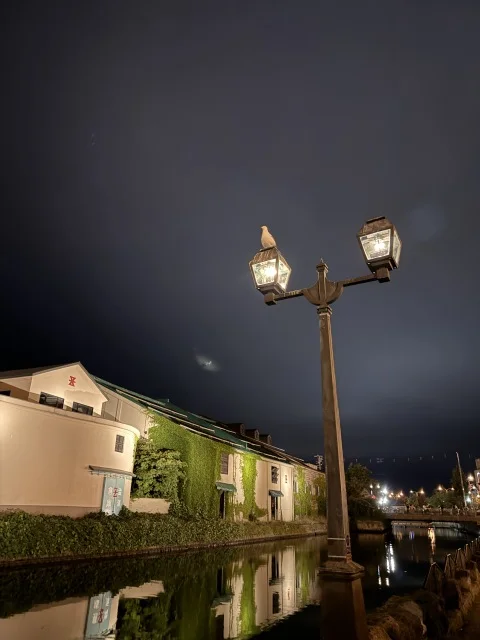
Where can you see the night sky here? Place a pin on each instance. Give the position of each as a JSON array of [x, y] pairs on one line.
[[143, 146]]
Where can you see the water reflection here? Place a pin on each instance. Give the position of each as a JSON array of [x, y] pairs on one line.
[[220, 595], [400, 564], [197, 598]]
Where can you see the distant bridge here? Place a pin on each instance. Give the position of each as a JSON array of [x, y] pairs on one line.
[[435, 517]]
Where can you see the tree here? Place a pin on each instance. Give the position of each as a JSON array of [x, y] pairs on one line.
[[444, 499], [360, 503], [157, 472], [358, 480], [416, 499]]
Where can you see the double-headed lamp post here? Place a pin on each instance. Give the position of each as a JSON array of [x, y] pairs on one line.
[[342, 602]]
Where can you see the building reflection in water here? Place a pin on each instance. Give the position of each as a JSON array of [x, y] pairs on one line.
[[233, 601], [262, 592]]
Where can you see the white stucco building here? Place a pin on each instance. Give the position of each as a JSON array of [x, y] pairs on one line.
[[58, 455]]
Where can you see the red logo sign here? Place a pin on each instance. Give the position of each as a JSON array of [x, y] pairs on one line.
[[72, 381]]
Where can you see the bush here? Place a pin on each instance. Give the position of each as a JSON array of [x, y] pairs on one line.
[[157, 472], [23, 535]]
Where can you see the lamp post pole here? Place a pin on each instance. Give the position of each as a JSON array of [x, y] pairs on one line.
[[343, 608]]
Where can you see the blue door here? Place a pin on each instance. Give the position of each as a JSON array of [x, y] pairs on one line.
[[113, 492], [98, 616]]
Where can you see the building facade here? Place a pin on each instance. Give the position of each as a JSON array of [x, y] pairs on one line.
[[275, 475], [67, 443], [58, 455]]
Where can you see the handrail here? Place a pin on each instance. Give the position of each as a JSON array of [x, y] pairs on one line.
[[437, 576]]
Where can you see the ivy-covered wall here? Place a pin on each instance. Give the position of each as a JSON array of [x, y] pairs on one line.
[[203, 459], [310, 498], [202, 456], [248, 509]]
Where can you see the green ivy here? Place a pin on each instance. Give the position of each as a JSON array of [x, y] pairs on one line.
[[202, 456], [307, 504], [157, 472], [249, 508]]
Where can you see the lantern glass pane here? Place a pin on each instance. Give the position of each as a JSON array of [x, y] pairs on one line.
[[397, 247], [376, 245], [265, 272], [283, 274]]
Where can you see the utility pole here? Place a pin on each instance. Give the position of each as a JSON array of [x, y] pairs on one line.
[[461, 480]]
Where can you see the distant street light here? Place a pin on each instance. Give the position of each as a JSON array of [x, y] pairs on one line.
[[343, 603]]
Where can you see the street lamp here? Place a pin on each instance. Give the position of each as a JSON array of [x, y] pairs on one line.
[[381, 247]]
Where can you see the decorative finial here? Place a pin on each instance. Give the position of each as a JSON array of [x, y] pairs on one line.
[[267, 240]]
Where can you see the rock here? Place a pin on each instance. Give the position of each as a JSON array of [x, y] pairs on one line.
[[462, 576], [415, 609], [382, 620], [377, 633], [410, 624], [455, 622], [452, 595], [473, 571], [434, 615]]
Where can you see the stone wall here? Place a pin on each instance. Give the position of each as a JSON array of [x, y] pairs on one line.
[[425, 614], [370, 526]]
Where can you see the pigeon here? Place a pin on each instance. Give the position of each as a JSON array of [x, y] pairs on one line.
[[267, 240]]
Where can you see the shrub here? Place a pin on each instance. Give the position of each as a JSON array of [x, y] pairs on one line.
[[23, 535], [157, 472]]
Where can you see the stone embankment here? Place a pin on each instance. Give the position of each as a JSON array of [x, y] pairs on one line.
[[370, 526], [438, 611]]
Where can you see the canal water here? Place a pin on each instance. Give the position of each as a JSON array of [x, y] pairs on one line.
[[264, 590]]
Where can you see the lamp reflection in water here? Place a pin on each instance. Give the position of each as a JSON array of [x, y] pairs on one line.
[[389, 566], [433, 544]]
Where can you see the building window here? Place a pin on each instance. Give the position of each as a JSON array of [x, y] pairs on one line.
[[5, 393], [275, 603], [119, 442], [275, 568], [295, 487], [51, 401], [274, 475], [286, 479], [82, 408], [224, 464]]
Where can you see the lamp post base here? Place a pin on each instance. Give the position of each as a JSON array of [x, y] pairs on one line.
[[343, 608]]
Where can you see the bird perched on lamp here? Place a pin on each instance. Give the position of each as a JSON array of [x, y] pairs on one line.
[[267, 240]]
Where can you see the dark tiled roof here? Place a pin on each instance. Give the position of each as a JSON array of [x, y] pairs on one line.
[[202, 426]]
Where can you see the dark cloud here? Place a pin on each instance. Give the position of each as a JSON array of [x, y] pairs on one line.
[[208, 123]]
